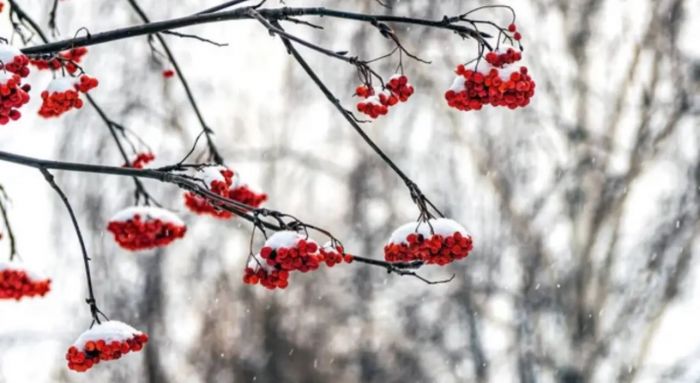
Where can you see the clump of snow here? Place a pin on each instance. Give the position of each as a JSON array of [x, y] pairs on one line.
[[213, 173], [8, 53], [442, 226], [457, 84], [285, 238], [107, 331], [33, 273], [61, 84], [256, 262], [329, 248], [147, 213], [5, 76]]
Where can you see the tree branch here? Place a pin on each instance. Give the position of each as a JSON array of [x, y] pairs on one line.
[[243, 14]]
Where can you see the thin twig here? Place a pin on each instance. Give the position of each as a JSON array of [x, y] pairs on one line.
[[195, 37], [8, 225], [86, 260], [416, 193], [213, 150]]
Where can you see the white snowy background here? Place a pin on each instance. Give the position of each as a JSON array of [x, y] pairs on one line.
[[353, 323]]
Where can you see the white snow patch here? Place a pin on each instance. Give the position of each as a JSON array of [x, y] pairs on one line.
[[61, 84], [256, 262], [441, 226], [213, 173], [8, 53], [147, 213], [457, 84], [5, 76], [108, 331], [286, 238]]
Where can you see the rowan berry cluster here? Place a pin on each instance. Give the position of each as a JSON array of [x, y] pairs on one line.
[[472, 89], [13, 60], [333, 255], [378, 101], [243, 194], [66, 59], [62, 95], [145, 227], [141, 160], [399, 87], [500, 59], [13, 95], [437, 241], [283, 253], [224, 182], [104, 342], [493, 83], [17, 282]]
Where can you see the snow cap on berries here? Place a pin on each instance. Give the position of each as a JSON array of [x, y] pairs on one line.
[[440, 226], [104, 342], [437, 241]]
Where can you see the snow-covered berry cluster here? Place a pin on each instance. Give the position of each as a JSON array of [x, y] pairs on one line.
[[226, 183], [488, 85], [12, 96], [219, 179], [104, 342], [284, 252], [66, 59], [145, 227], [495, 83], [62, 95], [399, 87], [18, 281], [378, 101], [437, 241], [141, 160], [13, 60]]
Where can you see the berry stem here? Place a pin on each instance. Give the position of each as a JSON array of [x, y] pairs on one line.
[[208, 132], [86, 260], [8, 226], [416, 193]]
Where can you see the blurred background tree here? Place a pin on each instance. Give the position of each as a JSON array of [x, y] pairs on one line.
[[584, 206]]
